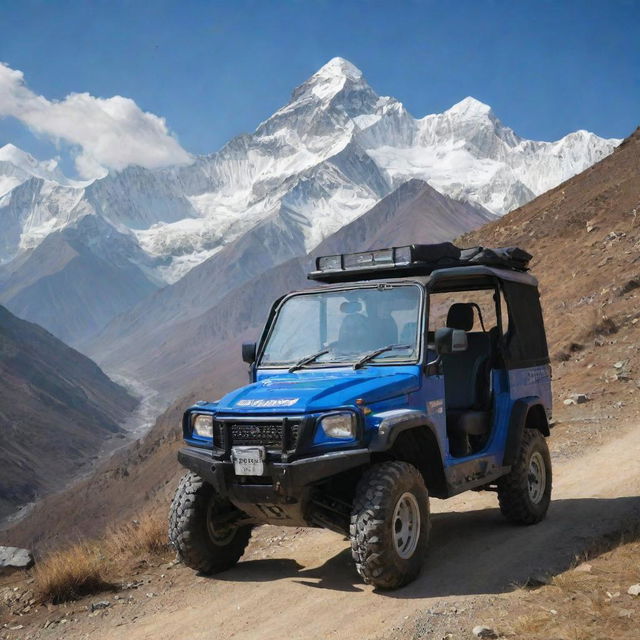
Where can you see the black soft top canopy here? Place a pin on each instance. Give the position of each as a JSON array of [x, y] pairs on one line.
[[414, 260]]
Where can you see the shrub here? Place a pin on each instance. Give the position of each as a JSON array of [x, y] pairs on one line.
[[71, 572], [92, 566]]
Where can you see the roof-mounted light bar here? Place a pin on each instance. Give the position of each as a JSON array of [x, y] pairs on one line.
[[414, 259], [365, 260]]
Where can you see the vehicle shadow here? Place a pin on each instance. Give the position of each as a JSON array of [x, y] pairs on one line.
[[477, 552], [337, 573], [474, 552]]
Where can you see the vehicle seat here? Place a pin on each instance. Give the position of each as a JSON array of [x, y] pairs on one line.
[[354, 335], [467, 378]]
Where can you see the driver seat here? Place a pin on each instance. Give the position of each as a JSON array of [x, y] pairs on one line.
[[467, 378]]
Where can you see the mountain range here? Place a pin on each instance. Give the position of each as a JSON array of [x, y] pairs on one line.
[[75, 255]]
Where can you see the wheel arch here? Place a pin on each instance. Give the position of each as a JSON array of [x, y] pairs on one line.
[[526, 413], [410, 436]]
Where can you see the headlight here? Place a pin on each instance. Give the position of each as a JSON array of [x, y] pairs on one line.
[[339, 425], [202, 424]]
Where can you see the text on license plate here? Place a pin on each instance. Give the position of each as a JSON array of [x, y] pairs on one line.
[[248, 461]]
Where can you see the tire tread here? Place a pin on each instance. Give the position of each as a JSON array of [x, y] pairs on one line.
[[187, 529], [369, 538], [512, 488]]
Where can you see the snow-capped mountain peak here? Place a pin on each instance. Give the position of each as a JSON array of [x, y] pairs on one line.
[[18, 157], [336, 92], [335, 76], [18, 166], [327, 156], [338, 68], [469, 108]]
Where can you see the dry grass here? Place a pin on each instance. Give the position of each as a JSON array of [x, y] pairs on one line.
[[70, 573], [93, 566], [589, 602], [145, 536]]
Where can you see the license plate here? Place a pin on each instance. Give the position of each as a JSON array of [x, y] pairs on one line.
[[248, 461]]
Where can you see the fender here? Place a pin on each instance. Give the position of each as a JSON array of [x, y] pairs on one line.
[[517, 422], [394, 423]]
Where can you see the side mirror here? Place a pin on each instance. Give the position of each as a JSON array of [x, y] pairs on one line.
[[448, 340], [249, 352]]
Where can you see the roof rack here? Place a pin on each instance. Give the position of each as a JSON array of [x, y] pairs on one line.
[[414, 260]]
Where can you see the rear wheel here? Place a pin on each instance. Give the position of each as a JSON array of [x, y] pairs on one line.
[[390, 525], [200, 527], [525, 492]]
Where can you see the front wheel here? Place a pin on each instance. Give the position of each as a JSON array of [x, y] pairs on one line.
[[197, 528], [525, 492], [390, 525]]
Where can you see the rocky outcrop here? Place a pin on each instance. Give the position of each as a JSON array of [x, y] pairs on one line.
[[14, 558]]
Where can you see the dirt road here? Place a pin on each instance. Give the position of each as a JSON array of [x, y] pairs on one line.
[[301, 583]]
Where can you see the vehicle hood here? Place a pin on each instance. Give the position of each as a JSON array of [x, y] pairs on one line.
[[309, 391]]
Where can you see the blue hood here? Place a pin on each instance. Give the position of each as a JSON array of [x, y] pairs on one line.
[[320, 390]]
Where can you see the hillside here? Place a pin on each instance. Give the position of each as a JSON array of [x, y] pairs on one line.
[[585, 239], [57, 409], [76, 280], [414, 210]]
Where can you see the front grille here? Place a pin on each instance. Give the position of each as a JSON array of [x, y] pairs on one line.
[[280, 434]]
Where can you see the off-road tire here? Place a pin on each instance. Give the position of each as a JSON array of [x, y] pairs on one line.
[[189, 532], [513, 489], [371, 531]]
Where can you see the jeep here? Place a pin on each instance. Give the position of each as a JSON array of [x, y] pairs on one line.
[[406, 373]]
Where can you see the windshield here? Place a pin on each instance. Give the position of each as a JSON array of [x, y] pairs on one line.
[[347, 325]]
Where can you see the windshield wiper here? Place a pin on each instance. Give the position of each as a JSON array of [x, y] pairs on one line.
[[369, 356], [307, 360]]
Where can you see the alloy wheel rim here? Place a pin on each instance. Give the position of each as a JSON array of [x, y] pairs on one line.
[[537, 477], [406, 525]]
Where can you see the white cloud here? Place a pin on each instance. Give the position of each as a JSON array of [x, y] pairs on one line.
[[110, 133]]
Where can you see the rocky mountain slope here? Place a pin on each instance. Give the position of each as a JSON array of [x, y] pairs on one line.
[[585, 239], [57, 408], [77, 279], [322, 160]]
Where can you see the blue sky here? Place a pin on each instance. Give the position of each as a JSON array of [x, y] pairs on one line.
[[216, 69]]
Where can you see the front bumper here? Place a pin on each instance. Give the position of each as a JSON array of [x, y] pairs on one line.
[[283, 492], [288, 479]]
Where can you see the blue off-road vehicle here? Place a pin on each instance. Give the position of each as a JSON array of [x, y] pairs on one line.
[[409, 372]]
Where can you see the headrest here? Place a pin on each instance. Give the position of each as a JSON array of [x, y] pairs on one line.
[[350, 307], [460, 316]]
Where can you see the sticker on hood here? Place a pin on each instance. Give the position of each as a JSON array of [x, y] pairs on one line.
[[275, 402]]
